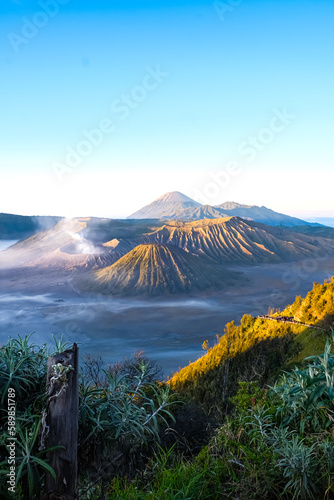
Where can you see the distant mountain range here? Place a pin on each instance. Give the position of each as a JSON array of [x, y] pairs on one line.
[[173, 245], [175, 205], [170, 206], [135, 257], [18, 227]]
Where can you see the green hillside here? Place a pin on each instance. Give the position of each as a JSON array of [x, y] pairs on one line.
[[257, 348]]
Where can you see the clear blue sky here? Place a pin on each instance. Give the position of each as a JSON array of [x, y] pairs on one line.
[[224, 77]]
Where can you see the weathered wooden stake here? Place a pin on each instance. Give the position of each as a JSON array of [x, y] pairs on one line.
[[62, 420]]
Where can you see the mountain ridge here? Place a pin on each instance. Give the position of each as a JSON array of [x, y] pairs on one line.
[[234, 240], [183, 207], [83, 244], [17, 227]]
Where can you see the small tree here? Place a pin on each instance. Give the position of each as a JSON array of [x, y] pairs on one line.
[[205, 345]]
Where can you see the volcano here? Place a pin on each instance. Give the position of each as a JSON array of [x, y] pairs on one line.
[[171, 205], [155, 269]]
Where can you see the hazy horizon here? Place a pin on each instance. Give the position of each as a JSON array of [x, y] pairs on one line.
[[325, 217]]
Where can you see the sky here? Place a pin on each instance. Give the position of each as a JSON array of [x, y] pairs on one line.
[[107, 105]]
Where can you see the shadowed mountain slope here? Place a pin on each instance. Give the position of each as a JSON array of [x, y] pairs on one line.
[[17, 227], [202, 212], [320, 231], [261, 214]]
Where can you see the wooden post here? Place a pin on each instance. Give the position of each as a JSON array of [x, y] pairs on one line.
[[62, 422]]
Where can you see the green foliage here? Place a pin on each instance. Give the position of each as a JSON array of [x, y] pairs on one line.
[[30, 462], [307, 396], [124, 408], [259, 452], [168, 477], [22, 367], [257, 349], [116, 419], [215, 388], [299, 466], [316, 307], [119, 418], [60, 345], [249, 394], [23, 373]]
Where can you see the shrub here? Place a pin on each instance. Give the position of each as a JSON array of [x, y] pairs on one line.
[[116, 420]]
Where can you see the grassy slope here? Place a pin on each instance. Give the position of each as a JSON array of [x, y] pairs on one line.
[[259, 348]]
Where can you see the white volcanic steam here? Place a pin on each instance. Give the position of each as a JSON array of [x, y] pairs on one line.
[[83, 246]]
